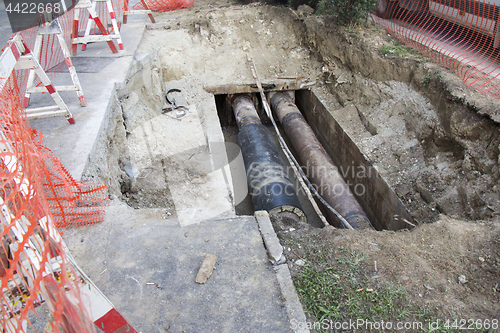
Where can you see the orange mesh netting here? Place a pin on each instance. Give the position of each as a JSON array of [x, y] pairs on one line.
[[462, 35], [165, 5], [71, 203], [34, 268]]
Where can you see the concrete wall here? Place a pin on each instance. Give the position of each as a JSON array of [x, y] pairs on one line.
[[379, 201]]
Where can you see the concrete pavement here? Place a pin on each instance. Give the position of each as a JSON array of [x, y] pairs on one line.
[[147, 265]]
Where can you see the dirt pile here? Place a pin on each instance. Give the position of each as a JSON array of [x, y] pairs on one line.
[[433, 139], [449, 267]]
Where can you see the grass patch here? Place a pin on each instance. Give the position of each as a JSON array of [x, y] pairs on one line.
[[426, 81], [335, 290], [398, 48], [338, 292]]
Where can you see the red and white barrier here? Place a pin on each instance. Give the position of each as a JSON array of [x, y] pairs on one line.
[[127, 11], [17, 55], [102, 312], [116, 32], [54, 29], [93, 18]]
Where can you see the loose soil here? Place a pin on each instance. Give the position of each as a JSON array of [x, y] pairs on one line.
[[434, 140], [427, 262]]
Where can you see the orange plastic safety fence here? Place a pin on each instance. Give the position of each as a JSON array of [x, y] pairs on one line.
[[71, 203], [460, 34], [34, 269], [165, 5]]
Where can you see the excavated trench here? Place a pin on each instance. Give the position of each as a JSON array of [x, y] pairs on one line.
[[423, 148], [378, 200]]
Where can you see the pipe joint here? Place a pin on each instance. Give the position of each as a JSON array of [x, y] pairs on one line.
[[282, 104]]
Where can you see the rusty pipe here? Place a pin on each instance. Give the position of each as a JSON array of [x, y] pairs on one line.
[[244, 110], [269, 185], [320, 169]]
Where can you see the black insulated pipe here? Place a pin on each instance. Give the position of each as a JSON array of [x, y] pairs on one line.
[[269, 185], [320, 169]]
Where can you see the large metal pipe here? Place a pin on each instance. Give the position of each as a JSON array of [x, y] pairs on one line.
[[270, 187], [320, 169]]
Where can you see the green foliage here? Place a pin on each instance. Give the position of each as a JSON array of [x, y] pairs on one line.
[[426, 81], [438, 74], [347, 11], [387, 49]]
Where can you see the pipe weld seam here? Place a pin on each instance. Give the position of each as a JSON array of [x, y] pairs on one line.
[[290, 117]]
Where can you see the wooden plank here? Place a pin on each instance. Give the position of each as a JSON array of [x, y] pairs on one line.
[[206, 268], [252, 87]]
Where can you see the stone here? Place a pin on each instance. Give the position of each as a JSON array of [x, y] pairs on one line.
[[304, 10], [300, 262]]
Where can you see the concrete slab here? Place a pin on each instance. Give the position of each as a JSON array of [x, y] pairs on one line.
[[173, 139], [197, 187], [147, 265]]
